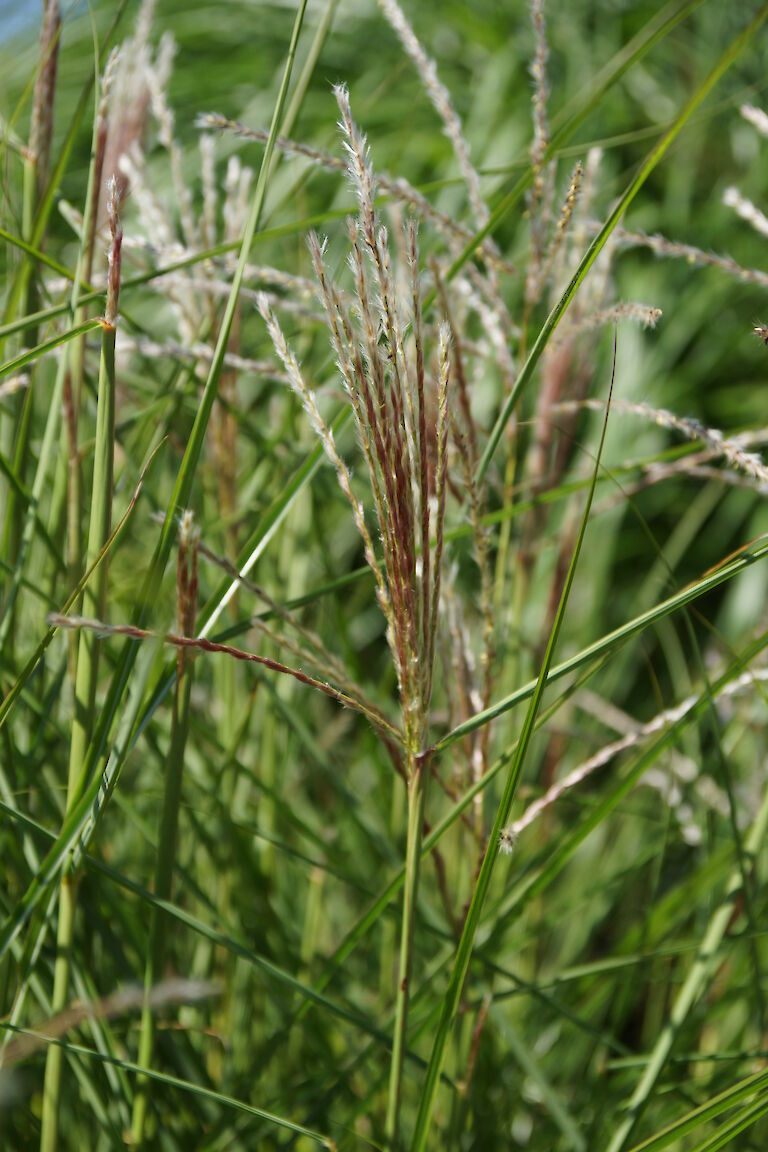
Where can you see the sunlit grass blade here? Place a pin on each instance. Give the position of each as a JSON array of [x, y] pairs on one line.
[[168, 826], [744, 1120], [86, 671], [38, 256], [611, 640], [32, 354], [701, 1115]]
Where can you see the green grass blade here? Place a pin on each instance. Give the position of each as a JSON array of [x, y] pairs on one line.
[[611, 640], [30, 354], [734, 1127], [541, 877], [37, 255], [699, 1116], [164, 872], [184, 1086]]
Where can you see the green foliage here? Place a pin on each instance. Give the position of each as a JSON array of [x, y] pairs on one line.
[[248, 889]]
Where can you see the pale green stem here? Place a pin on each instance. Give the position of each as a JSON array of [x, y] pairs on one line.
[[166, 855], [45, 460], [418, 775], [82, 724], [388, 929], [15, 433]]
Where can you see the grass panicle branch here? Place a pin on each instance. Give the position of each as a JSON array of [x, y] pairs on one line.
[[441, 101], [396, 188]]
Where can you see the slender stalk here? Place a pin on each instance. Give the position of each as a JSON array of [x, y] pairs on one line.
[[61, 391], [167, 837], [80, 817], [186, 584], [74, 388], [15, 443], [418, 776], [87, 673]]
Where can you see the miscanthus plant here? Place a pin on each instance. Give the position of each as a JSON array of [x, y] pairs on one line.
[[382, 623]]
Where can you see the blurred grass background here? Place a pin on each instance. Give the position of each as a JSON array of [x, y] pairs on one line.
[[290, 816]]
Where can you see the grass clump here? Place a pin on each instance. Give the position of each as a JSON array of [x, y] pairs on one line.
[[421, 806]]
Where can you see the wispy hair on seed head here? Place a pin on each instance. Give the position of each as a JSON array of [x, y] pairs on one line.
[[384, 373]]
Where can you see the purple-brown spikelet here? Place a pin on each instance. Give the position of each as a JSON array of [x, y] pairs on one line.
[[441, 477], [457, 362], [99, 156], [413, 255], [115, 252], [41, 125], [382, 366]]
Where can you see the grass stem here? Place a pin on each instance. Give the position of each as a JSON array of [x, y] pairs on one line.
[[418, 776], [166, 855], [86, 678]]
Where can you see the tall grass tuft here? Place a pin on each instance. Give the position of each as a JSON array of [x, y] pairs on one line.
[[86, 675], [345, 857]]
